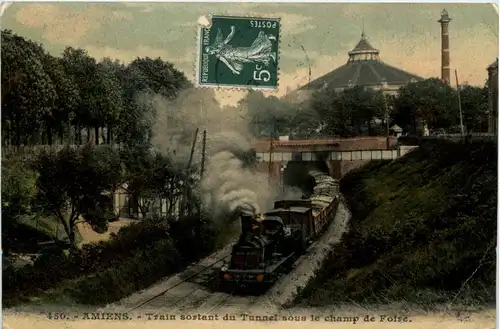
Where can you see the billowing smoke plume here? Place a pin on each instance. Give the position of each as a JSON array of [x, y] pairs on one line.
[[227, 184]]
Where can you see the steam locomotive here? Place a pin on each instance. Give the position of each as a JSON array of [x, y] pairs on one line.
[[272, 241]]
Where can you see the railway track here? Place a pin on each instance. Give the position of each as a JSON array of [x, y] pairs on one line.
[[193, 285], [195, 290]]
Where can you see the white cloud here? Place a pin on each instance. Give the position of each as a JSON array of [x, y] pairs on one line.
[[66, 27]]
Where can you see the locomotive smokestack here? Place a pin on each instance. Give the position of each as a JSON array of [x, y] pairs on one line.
[[445, 46], [246, 222]]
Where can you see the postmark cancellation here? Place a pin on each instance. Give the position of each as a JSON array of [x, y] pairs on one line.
[[239, 52]]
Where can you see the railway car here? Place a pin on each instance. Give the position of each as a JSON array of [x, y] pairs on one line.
[[272, 241]]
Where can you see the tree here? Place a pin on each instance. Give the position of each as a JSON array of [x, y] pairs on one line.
[[474, 107], [306, 123], [106, 102], [18, 195], [114, 74], [141, 80], [151, 177], [82, 68], [43, 95], [66, 102], [350, 112], [160, 77], [72, 182], [430, 101], [28, 93], [269, 116]]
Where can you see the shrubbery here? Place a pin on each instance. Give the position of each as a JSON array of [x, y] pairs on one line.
[[141, 270], [136, 257], [421, 226], [18, 195]]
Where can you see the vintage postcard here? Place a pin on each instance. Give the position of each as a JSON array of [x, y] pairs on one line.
[[249, 164]]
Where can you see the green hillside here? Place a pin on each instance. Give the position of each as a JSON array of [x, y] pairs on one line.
[[423, 230]]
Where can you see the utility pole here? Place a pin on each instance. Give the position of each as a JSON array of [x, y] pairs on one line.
[[273, 131], [203, 148], [202, 169], [459, 106], [192, 149], [203, 117], [386, 115], [386, 122], [185, 194]]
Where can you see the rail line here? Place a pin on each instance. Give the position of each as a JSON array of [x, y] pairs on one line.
[[247, 302], [214, 301], [185, 280]]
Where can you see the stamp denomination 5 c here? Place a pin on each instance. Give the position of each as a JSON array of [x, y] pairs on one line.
[[239, 52]]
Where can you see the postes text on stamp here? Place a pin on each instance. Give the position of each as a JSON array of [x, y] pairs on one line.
[[239, 52]]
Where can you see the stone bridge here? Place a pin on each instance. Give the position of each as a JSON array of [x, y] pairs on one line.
[[338, 156]]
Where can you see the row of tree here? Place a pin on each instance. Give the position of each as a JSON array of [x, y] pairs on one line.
[[358, 112], [72, 98]]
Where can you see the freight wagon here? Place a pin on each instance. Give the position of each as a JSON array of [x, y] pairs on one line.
[[269, 243]]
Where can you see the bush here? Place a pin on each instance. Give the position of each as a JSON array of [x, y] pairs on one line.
[[18, 195], [194, 237], [156, 247], [138, 272]]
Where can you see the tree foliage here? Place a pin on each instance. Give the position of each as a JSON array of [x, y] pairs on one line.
[[271, 116], [28, 93], [351, 112], [78, 99], [150, 177], [361, 111], [436, 104], [475, 107], [432, 101], [72, 185], [18, 196]]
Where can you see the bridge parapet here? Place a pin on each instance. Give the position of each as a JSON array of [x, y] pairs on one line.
[[340, 158], [324, 145]]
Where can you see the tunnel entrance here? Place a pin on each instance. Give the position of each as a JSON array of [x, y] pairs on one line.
[[296, 174]]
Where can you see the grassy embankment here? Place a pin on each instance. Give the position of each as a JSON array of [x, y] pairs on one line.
[[423, 231]]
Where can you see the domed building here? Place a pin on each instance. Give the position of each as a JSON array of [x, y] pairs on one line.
[[364, 68]]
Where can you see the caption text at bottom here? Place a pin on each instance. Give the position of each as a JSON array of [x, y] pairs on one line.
[[231, 317]]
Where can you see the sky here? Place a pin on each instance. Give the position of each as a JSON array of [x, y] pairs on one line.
[[315, 36]]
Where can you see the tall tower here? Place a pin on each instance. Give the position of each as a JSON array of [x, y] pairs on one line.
[[445, 46]]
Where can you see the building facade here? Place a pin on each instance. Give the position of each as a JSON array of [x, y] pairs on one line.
[[493, 97]]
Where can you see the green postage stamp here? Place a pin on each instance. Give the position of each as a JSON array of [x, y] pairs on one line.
[[239, 52]]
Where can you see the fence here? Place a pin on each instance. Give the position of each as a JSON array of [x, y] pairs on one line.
[[455, 138]]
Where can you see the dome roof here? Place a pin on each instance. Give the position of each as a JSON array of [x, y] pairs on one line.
[[364, 68]]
